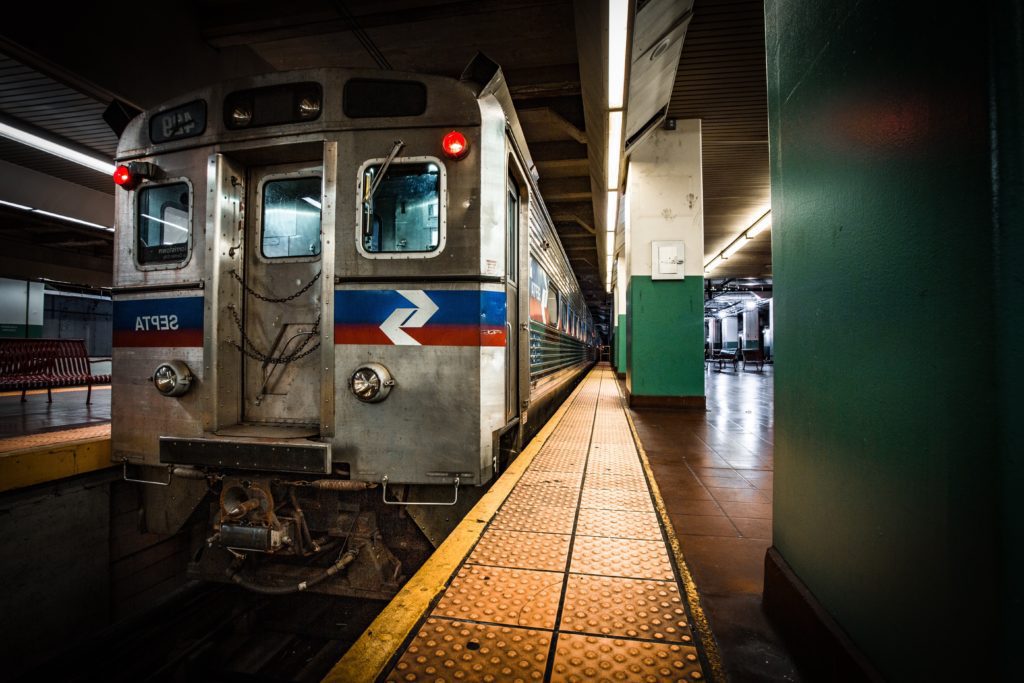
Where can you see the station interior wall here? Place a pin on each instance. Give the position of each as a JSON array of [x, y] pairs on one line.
[[896, 179]]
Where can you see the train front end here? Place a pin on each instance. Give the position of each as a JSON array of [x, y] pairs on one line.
[[314, 323]]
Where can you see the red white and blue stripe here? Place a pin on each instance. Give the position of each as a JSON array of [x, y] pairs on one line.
[[167, 322], [419, 317]]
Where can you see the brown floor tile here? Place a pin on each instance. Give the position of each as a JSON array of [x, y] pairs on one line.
[[453, 650], [725, 565], [687, 506], [754, 510], [522, 550], [621, 557], [702, 525], [726, 483], [754, 528], [619, 524], [747, 495], [633, 608], [582, 658], [545, 519], [723, 472], [499, 595]]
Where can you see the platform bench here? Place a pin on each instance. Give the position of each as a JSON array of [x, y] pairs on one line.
[[46, 363]]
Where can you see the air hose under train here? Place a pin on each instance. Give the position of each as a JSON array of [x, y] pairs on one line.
[[345, 559]]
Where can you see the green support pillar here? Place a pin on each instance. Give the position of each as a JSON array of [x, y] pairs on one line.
[[664, 321]]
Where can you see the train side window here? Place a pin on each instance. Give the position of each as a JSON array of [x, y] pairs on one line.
[[291, 217], [553, 301], [162, 224], [402, 212]]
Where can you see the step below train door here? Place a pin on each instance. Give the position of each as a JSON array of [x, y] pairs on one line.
[[281, 300]]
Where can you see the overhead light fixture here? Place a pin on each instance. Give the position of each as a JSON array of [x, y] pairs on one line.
[[609, 246], [618, 18], [58, 216], [614, 148], [760, 225], [51, 147], [612, 219]]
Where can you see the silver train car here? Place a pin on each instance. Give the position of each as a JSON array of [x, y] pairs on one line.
[[340, 308]]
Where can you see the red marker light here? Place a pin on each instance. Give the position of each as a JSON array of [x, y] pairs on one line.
[[123, 176], [455, 145]]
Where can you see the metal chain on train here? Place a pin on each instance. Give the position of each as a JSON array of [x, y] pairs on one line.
[[272, 300], [249, 348]]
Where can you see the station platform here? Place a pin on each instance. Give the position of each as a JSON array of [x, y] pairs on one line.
[[567, 570], [42, 441]]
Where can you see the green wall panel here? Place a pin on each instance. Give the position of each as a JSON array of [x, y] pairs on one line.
[[885, 425], [620, 343], [665, 337]]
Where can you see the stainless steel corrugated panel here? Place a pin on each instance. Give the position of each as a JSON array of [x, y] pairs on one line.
[[34, 98]]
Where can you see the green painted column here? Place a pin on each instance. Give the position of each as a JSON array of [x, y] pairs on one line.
[[896, 202], [664, 311], [620, 346]]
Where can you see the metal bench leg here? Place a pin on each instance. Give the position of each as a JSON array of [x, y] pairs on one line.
[[23, 399], [49, 394], [88, 397]]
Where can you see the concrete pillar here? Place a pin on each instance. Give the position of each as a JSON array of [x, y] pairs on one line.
[[714, 333], [619, 299], [751, 329], [665, 317], [730, 333]]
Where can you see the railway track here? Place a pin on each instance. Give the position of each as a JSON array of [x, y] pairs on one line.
[[213, 632]]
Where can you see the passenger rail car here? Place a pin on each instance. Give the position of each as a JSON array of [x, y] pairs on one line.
[[340, 303]]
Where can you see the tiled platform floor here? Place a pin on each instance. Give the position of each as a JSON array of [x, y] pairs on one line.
[[715, 471], [572, 580], [35, 415]]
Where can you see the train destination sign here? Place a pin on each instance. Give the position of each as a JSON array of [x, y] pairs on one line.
[[185, 121]]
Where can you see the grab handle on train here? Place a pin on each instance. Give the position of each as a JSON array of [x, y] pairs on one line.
[[384, 496]]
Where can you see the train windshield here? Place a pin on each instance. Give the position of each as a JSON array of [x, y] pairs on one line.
[[162, 224], [402, 215], [291, 217]]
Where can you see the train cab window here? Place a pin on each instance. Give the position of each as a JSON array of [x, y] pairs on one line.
[[402, 211], [162, 224], [291, 217]]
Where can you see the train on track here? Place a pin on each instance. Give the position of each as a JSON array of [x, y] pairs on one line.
[[340, 307]]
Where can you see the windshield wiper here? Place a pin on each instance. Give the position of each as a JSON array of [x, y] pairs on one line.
[[384, 169]]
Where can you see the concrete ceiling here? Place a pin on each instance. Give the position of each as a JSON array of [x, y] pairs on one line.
[[59, 80]]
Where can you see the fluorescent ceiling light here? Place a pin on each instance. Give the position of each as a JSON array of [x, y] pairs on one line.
[[58, 216], [618, 17], [712, 264], [609, 246], [612, 219], [760, 225], [734, 247], [16, 206], [614, 148], [73, 220], [56, 149], [311, 201]]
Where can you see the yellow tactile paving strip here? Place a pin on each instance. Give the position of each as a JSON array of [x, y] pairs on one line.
[[572, 579], [41, 458]]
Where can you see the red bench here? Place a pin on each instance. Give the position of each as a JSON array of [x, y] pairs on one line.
[[44, 364]]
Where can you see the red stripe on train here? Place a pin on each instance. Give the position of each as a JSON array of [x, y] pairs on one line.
[[434, 335], [158, 338]]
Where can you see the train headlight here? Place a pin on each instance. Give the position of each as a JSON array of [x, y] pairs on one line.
[[309, 107], [172, 378], [241, 116], [371, 383]]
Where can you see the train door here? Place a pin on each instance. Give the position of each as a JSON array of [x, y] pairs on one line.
[[281, 299], [512, 212]]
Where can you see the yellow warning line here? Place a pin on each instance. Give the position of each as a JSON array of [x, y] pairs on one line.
[[56, 390], [700, 619], [42, 464], [368, 656]]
